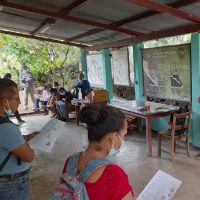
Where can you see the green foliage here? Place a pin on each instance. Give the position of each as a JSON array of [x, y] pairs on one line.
[[182, 39], [48, 61]]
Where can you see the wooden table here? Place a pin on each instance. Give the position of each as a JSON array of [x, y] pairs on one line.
[[156, 110], [84, 102]]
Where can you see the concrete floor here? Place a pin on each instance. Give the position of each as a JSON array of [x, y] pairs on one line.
[[47, 167]]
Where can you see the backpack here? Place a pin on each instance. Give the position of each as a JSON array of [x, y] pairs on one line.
[[72, 185]]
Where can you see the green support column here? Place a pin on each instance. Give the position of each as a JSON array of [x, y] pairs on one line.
[[157, 124], [195, 57], [107, 72], [138, 72], [84, 54]]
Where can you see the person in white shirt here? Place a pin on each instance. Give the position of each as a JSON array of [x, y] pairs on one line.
[[29, 85], [44, 99]]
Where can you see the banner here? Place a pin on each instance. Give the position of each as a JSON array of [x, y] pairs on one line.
[[166, 72]]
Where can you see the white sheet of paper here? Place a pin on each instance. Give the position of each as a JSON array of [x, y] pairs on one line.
[[161, 187], [47, 138]]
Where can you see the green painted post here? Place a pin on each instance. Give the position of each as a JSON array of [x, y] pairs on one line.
[[138, 72], [195, 57], [157, 124], [84, 54], [107, 72]]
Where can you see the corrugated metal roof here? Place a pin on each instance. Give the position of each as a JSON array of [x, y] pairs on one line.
[[110, 20], [157, 22]]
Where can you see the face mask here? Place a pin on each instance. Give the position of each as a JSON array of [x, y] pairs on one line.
[[62, 93], [113, 151], [8, 111]]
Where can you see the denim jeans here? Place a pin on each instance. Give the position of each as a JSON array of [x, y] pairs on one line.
[[60, 106], [15, 189], [37, 104]]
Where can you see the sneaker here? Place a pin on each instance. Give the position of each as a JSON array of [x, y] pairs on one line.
[[52, 116], [21, 121]]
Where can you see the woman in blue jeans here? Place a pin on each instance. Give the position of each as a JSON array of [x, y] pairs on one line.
[[15, 154]]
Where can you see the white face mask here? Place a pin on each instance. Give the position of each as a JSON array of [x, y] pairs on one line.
[[113, 151], [8, 111]]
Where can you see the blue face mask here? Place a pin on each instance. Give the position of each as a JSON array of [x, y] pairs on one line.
[[8, 111], [113, 151]]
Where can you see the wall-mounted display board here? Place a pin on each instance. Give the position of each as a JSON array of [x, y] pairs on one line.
[[95, 70], [120, 67], [166, 72]]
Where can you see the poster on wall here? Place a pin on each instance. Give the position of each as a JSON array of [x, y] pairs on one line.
[[95, 70], [120, 67], [166, 72]]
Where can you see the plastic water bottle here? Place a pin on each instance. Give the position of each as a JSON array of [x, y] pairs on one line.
[[79, 94]]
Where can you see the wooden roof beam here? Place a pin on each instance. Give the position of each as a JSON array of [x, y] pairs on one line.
[[43, 39], [166, 9], [143, 15], [146, 37], [67, 18], [73, 6]]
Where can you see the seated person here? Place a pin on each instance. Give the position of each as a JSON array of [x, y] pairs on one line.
[[51, 104], [63, 103], [44, 99], [56, 85], [107, 128], [83, 84], [37, 95]]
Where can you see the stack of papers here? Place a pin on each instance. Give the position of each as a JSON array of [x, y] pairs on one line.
[[161, 187], [48, 135]]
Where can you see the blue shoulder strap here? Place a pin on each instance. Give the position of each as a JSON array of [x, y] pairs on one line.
[[72, 164], [92, 166]]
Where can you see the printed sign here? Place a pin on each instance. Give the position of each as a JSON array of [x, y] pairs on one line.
[[166, 72]]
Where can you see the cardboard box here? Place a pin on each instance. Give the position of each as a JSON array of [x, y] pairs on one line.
[[99, 95]]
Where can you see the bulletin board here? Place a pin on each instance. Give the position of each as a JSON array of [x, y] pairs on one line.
[[167, 72], [95, 70], [120, 67]]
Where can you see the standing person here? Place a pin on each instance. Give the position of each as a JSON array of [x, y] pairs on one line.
[[15, 154], [28, 81], [107, 128], [17, 115]]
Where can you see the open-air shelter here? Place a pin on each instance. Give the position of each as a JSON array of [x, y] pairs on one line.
[[94, 25]]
